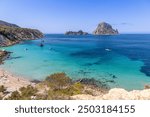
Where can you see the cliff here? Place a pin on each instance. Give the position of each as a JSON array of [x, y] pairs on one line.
[[105, 29], [11, 34], [80, 32]]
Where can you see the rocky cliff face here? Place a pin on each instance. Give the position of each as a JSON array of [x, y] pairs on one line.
[[11, 34], [80, 32], [105, 29]]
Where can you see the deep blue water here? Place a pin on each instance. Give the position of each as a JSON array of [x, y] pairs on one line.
[[118, 60]]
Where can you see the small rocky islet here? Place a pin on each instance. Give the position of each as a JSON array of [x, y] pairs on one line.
[[80, 32], [103, 28]]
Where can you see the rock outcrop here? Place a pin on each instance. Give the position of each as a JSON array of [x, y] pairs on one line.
[[3, 55], [11, 34], [117, 94], [80, 32], [105, 29]]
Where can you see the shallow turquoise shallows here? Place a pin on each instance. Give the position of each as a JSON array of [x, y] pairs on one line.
[[119, 60]]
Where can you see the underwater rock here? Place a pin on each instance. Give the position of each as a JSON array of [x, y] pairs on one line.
[[147, 87], [93, 82]]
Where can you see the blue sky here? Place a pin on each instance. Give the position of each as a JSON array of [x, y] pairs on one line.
[[58, 16]]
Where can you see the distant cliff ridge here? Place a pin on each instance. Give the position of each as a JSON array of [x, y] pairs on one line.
[[3, 23], [80, 32], [11, 34], [105, 29]]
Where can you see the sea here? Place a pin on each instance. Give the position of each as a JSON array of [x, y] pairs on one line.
[[120, 61]]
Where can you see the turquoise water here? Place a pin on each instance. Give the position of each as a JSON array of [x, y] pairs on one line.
[[120, 60]]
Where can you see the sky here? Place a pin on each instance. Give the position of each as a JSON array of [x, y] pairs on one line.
[[59, 16]]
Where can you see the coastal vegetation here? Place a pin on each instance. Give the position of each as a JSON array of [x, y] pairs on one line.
[[49, 89], [24, 93], [2, 91], [55, 86]]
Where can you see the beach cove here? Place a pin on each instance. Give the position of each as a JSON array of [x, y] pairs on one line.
[[14, 83], [121, 61], [90, 57]]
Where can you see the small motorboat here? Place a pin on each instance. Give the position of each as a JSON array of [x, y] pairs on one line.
[[108, 49]]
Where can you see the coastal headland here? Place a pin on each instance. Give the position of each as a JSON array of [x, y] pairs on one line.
[[11, 34]]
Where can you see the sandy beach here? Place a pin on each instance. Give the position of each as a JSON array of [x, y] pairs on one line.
[[12, 82]]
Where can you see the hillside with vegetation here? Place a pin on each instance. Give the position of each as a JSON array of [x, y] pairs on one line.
[[11, 34]]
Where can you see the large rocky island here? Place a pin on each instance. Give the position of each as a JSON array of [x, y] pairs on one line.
[[80, 32], [11, 34], [105, 29]]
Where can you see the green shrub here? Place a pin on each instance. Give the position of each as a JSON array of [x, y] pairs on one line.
[[2, 89], [24, 93], [14, 96], [58, 80], [27, 92], [57, 95], [62, 87]]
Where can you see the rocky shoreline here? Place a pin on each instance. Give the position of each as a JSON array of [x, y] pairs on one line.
[[117, 94], [4, 55]]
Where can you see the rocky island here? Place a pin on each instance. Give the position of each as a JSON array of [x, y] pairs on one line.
[[105, 29], [11, 34], [80, 32]]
